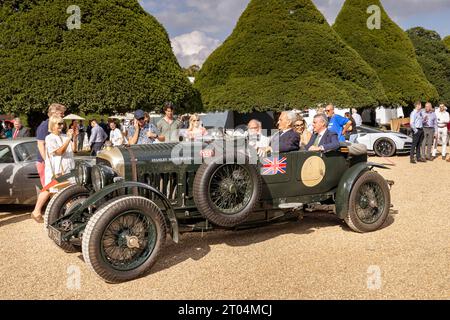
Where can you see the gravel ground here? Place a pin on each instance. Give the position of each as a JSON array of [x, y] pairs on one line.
[[317, 258]]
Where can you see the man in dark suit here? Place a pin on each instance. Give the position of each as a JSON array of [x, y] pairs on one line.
[[322, 139], [19, 130], [286, 139]]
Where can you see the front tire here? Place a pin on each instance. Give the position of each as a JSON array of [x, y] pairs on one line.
[[124, 238], [369, 203], [60, 204]]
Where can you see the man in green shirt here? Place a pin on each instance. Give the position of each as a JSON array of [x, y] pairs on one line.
[[168, 126]]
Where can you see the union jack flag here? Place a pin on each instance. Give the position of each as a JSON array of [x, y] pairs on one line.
[[274, 165]]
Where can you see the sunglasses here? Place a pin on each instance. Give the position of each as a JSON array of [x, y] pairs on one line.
[[328, 110], [140, 119], [60, 123], [195, 120]]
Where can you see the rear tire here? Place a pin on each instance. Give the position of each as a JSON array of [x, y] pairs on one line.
[[369, 203], [124, 238], [384, 147]]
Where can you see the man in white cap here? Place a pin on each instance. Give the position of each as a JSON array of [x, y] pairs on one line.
[[443, 119]]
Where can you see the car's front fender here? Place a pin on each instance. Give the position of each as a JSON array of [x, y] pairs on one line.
[[346, 185], [130, 185]]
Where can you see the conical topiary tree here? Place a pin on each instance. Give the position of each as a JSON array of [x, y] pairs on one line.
[[434, 57], [120, 59], [283, 54], [387, 49]]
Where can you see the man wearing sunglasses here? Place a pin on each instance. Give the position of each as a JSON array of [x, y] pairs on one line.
[[337, 123], [142, 132]]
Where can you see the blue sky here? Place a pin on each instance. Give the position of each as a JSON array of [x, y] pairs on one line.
[[197, 27]]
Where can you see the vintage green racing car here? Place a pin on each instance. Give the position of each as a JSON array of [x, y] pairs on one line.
[[123, 207]]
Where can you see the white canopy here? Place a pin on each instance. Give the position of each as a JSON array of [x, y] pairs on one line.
[[73, 117]]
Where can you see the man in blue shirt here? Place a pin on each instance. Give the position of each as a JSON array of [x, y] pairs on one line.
[[337, 123], [142, 132], [416, 123]]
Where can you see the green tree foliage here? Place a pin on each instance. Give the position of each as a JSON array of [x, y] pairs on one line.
[[120, 59], [283, 54], [447, 41], [192, 71], [434, 57], [388, 50]]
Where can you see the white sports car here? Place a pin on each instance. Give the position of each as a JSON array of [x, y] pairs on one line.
[[383, 143]]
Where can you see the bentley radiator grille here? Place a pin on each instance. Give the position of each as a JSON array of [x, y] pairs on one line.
[[166, 183]]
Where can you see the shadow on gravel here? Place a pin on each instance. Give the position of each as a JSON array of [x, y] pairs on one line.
[[14, 214], [389, 220], [196, 246]]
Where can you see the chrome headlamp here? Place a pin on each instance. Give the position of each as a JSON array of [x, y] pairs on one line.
[[83, 174], [101, 176]]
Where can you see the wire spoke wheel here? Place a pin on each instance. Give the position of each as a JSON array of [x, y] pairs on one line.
[[230, 188], [128, 240], [226, 194], [124, 238], [370, 202]]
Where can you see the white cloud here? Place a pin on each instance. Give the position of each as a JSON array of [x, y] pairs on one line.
[[193, 48], [215, 17]]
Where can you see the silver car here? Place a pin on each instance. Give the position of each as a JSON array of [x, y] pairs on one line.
[[19, 179]]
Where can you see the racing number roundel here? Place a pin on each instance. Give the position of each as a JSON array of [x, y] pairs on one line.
[[313, 171]]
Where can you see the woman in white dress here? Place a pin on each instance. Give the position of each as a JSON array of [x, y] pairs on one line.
[[58, 159]]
